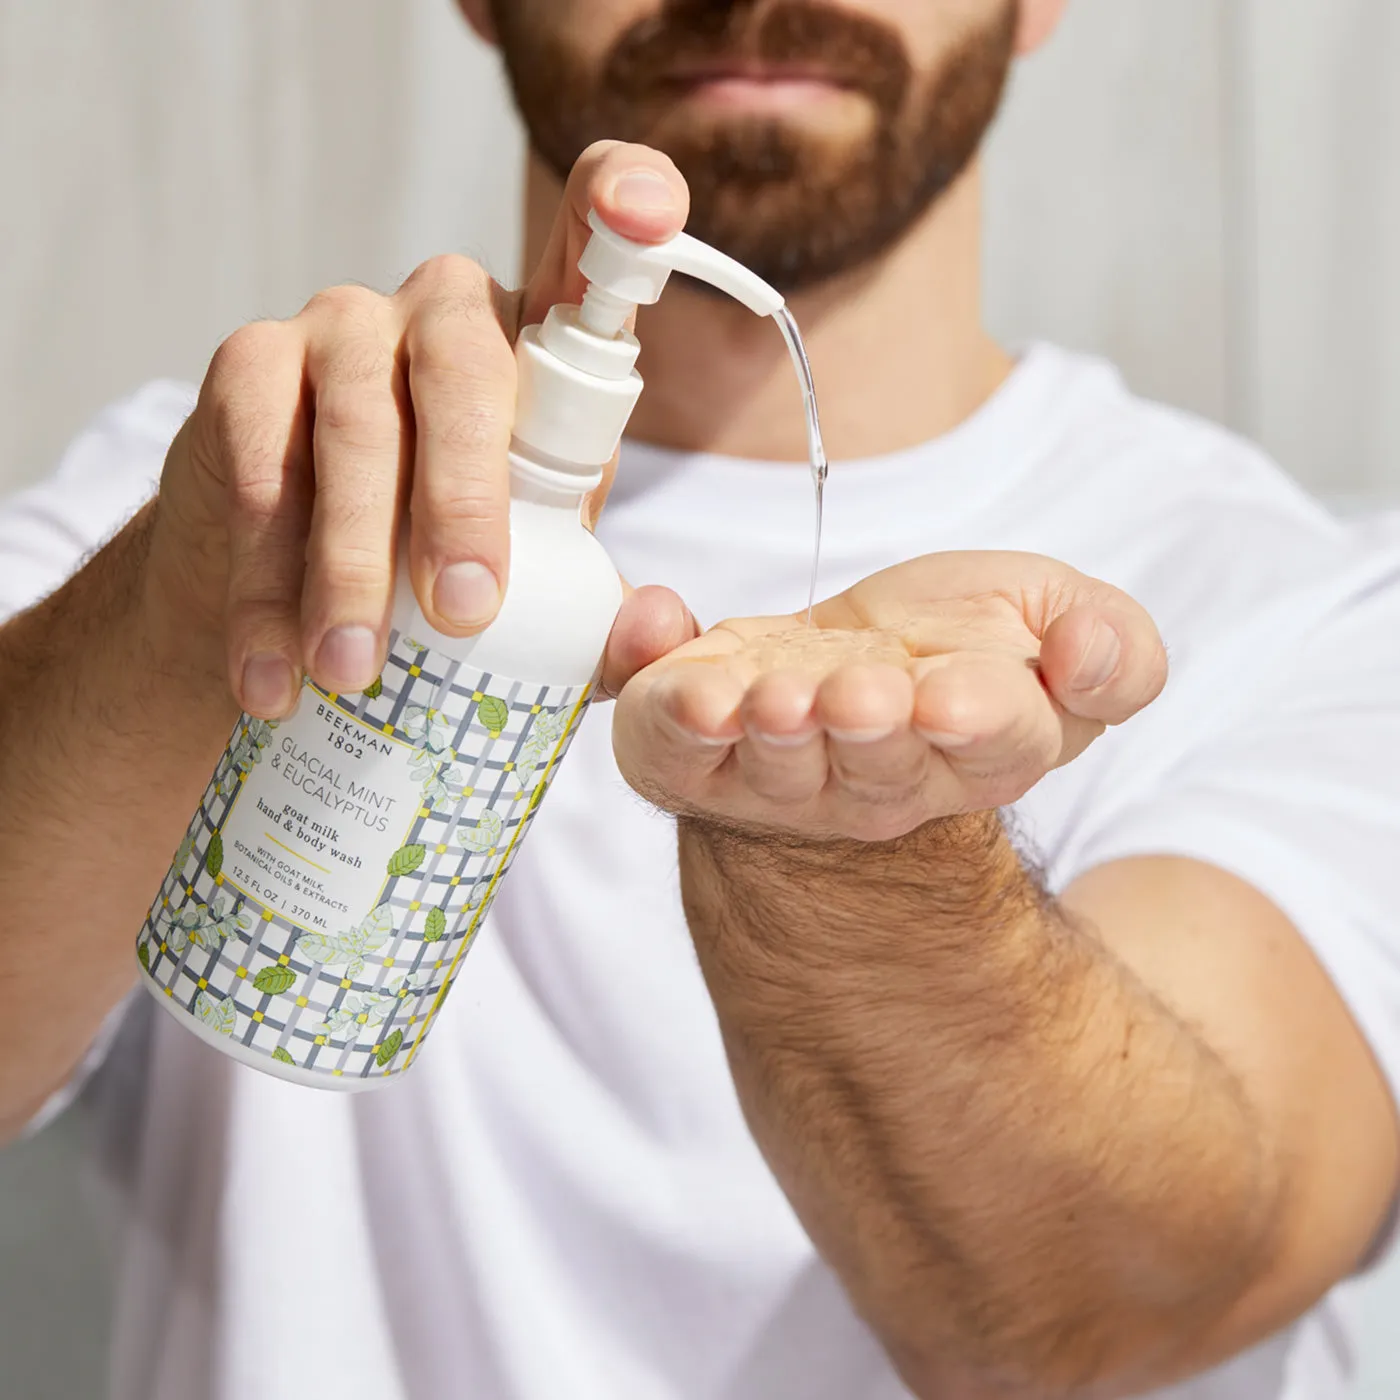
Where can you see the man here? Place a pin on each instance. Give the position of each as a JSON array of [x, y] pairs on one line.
[[861, 1096]]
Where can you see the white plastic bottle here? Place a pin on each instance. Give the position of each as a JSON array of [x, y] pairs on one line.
[[342, 861]]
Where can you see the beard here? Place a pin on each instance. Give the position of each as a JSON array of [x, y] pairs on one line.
[[799, 206]]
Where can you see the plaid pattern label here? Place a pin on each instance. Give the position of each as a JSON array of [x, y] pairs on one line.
[[341, 862]]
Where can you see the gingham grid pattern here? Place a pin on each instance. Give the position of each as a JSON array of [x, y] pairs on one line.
[[457, 880]]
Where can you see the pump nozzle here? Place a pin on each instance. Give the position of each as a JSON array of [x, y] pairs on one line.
[[623, 275], [577, 382]]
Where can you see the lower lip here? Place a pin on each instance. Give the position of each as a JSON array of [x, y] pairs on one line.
[[764, 94]]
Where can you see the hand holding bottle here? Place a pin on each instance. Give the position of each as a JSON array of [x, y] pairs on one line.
[[274, 548]]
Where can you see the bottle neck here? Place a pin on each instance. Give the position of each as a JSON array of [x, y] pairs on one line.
[[549, 481]]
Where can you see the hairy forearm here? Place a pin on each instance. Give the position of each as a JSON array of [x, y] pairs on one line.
[[107, 737], [1030, 1175]]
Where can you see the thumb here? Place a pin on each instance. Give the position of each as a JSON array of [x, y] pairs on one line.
[[652, 623], [638, 192], [1103, 660]]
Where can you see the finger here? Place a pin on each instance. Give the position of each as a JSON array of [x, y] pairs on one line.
[[675, 727], [1103, 659], [652, 623], [461, 379], [361, 442], [782, 756], [260, 436], [994, 722], [638, 192], [874, 753]]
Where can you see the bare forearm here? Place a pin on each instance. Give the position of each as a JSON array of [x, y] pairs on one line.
[[1027, 1171], [105, 745]]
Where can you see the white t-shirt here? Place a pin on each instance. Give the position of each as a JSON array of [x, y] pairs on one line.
[[562, 1199]]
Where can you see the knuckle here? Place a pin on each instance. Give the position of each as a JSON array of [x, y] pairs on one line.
[[258, 348], [469, 432], [353, 569], [351, 412], [346, 302], [452, 275]]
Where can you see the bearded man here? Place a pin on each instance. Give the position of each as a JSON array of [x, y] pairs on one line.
[[941, 1025]]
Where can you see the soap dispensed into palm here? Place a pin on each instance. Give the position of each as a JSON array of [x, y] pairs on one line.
[[948, 684]]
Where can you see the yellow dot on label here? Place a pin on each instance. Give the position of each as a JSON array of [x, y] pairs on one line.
[[169, 992], [242, 971], [301, 1001], [534, 709], [442, 851], [346, 983], [283, 960], [162, 947], [267, 916], [203, 983], [437, 964], [412, 1020], [468, 792], [219, 878], [337, 1072], [415, 670], [166, 902], [425, 811], [510, 767], [452, 753], [455, 880], [388, 728], [242, 777], [257, 1015], [332, 696], [417, 904], [320, 1040], [388, 962], [363, 1017]]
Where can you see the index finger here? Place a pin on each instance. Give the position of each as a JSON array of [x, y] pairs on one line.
[[639, 194]]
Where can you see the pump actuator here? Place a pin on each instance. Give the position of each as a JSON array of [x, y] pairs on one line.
[[578, 381]]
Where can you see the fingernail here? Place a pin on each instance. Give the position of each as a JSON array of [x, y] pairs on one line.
[[269, 684], [782, 741], [860, 736], [467, 594], [1100, 658], [950, 742], [347, 658], [644, 191]]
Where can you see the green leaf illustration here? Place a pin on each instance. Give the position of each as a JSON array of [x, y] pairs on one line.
[[484, 835], [217, 1015], [389, 1048], [407, 859], [143, 956], [373, 692], [274, 980], [214, 856], [435, 927], [493, 713], [281, 1054]]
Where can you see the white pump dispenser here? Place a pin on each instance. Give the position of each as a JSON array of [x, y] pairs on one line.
[[578, 382], [341, 862]]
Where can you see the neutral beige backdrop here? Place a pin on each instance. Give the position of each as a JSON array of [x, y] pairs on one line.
[[1206, 190]]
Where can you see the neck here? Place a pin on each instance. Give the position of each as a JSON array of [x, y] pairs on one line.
[[898, 349]]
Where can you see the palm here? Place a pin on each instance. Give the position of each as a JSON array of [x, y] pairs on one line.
[[939, 686]]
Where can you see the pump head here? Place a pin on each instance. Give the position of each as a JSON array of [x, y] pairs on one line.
[[578, 382]]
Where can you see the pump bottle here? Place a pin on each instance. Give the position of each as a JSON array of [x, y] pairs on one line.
[[342, 861]]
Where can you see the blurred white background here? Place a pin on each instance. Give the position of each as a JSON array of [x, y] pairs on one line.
[[1208, 191]]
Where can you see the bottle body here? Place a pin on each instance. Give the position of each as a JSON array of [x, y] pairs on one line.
[[342, 861]]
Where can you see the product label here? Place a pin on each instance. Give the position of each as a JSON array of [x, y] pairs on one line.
[[342, 861]]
